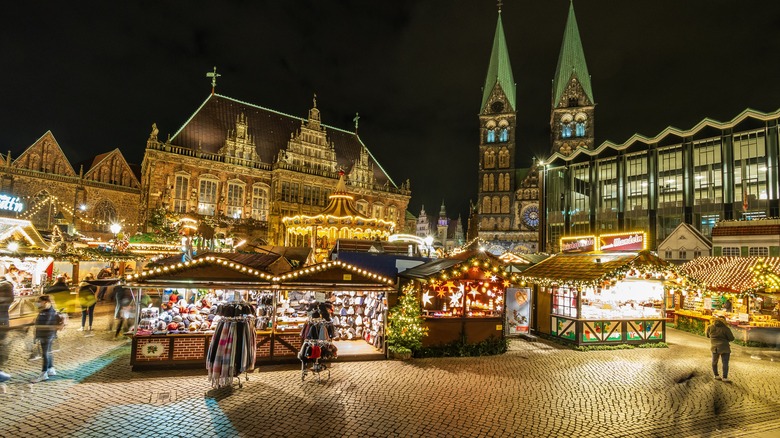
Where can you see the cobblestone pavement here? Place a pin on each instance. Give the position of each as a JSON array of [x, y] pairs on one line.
[[536, 389]]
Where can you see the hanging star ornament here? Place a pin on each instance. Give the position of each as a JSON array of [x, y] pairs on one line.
[[426, 298], [493, 278], [474, 292], [455, 299], [441, 292]]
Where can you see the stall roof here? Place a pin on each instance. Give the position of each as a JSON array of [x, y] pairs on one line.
[[435, 266], [334, 274], [372, 246], [22, 231], [589, 266], [728, 274], [204, 271], [273, 262]]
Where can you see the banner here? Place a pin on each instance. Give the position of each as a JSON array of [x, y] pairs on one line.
[[623, 242], [518, 311]]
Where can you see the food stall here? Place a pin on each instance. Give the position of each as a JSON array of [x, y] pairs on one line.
[[743, 290], [603, 290], [462, 296], [177, 305], [25, 261]]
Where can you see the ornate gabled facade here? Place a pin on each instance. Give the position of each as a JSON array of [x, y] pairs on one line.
[[242, 167], [105, 191], [500, 203], [571, 118]]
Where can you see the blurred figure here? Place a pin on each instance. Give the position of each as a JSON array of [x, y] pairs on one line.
[[59, 294], [720, 335], [105, 273], [87, 302], [45, 332], [6, 298], [124, 298]]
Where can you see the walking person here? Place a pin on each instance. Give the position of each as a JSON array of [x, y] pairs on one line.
[[123, 298], [46, 325], [6, 299], [87, 301], [720, 336]]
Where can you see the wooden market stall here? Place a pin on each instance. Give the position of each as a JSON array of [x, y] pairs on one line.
[[601, 297], [177, 304], [462, 296], [743, 290]]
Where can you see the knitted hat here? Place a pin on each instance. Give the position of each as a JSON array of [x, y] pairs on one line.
[[177, 318]]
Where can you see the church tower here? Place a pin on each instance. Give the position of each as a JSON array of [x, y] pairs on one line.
[[571, 119], [497, 122]]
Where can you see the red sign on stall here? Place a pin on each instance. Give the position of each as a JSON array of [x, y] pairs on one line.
[[623, 242], [578, 244]]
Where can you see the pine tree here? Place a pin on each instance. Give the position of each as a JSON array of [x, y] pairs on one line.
[[405, 328]]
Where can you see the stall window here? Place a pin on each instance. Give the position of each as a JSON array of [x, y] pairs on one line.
[[758, 251], [731, 251], [564, 302]]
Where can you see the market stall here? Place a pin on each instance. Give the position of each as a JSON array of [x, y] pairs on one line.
[[743, 290], [602, 297], [25, 261], [176, 304], [462, 296]]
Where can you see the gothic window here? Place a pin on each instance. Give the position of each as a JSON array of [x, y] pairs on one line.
[[378, 211], [104, 177], [566, 130], [125, 179], [491, 136], [500, 182], [235, 200], [486, 205], [506, 223], [260, 202], [105, 215], [580, 129], [496, 205], [504, 135], [207, 197], [181, 190], [492, 181], [505, 204], [485, 184], [503, 158], [490, 159], [35, 162]]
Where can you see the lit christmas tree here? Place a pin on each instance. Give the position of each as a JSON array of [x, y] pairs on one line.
[[405, 328]]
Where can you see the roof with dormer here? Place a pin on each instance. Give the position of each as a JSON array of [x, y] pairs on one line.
[[571, 61], [271, 130], [500, 69]]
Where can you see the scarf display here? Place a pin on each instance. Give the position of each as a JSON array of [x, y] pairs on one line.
[[232, 349]]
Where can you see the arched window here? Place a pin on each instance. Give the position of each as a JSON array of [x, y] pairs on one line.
[[496, 205], [260, 202], [485, 184], [207, 196], [503, 158], [105, 215], [492, 182], [181, 192], [566, 130], [580, 129], [504, 136], [490, 159], [491, 136], [505, 204], [486, 205]]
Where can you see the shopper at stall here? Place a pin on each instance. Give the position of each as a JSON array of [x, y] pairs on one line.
[[59, 293], [87, 302], [6, 298], [124, 298], [728, 306], [46, 325], [720, 336]]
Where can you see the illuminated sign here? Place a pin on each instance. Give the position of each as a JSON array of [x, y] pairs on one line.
[[635, 241], [10, 203], [578, 244]]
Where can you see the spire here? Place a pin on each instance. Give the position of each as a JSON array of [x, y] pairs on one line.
[[500, 69], [442, 210], [571, 61]]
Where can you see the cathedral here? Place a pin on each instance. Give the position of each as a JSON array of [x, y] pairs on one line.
[[508, 207]]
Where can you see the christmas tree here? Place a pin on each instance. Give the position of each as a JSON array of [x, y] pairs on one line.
[[405, 328]]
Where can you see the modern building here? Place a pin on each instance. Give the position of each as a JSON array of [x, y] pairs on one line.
[[508, 197]]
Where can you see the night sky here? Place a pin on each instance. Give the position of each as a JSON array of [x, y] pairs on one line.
[[98, 74]]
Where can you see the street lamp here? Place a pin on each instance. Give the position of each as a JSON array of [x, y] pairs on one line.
[[116, 228]]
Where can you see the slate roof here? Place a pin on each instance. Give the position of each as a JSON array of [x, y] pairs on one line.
[[746, 230], [571, 61], [207, 129], [500, 69]]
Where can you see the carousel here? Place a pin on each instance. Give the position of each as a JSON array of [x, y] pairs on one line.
[[339, 220]]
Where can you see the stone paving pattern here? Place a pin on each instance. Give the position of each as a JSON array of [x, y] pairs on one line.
[[537, 389]]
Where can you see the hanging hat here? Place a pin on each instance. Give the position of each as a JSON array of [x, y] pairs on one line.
[[351, 311]]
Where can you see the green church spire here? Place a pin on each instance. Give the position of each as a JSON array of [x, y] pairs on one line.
[[571, 61], [500, 69]]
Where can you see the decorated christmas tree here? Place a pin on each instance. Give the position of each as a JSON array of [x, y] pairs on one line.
[[405, 328]]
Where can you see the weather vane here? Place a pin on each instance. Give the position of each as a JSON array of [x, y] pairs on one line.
[[213, 75], [357, 117]]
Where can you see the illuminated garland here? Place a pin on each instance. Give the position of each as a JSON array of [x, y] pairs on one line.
[[734, 274], [156, 272]]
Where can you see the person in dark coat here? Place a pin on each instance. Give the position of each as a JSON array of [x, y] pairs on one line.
[[45, 332], [87, 302], [59, 293], [720, 336], [6, 299], [123, 297]]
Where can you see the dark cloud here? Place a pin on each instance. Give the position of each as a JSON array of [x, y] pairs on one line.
[[98, 74]]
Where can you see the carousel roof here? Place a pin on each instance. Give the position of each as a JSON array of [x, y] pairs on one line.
[[338, 213], [728, 274]]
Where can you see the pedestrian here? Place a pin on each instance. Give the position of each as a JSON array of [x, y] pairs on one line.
[[105, 273], [6, 299], [123, 298], [59, 293], [87, 302], [720, 335], [46, 325]]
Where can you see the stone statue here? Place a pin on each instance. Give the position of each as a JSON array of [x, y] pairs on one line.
[[155, 131]]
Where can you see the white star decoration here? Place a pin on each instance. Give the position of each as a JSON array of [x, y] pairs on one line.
[[462, 288], [493, 278], [426, 298], [455, 299]]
